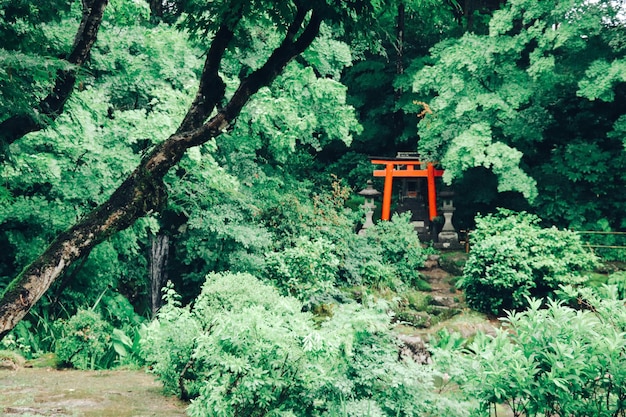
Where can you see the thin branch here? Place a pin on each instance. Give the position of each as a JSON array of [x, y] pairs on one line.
[[52, 106]]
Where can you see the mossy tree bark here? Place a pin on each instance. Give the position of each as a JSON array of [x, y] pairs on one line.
[[144, 191]]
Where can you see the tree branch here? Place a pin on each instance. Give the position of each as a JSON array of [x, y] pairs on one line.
[[52, 106], [212, 88], [143, 191], [277, 61]]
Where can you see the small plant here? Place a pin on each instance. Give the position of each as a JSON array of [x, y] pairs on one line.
[[37, 334], [619, 280], [15, 344], [417, 300]]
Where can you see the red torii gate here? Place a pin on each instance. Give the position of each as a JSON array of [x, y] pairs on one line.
[[405, 168]]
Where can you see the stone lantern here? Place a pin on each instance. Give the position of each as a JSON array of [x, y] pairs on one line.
[[448, 238], [370, 194]]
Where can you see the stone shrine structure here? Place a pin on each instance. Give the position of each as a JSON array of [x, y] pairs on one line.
[[417, 196], [447, 238], [370, 194]]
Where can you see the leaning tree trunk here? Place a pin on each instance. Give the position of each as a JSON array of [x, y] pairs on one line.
[[52, 105], [159, 254], [144, 191]]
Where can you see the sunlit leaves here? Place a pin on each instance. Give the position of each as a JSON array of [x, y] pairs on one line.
[[619, 130], [601, 79], [25, 79], [132, 94], [298, 109], [147, 68], [328, 55], [127, 13], [474, 148]]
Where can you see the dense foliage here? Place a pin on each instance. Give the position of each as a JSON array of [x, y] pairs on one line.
[[548, 360], [513, 258], [538, 100], [242, 349], [521, 101]]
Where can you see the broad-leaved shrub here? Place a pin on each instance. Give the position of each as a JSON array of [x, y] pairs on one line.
[[512, 258], [86, 341], [310, 266], [400, 247]]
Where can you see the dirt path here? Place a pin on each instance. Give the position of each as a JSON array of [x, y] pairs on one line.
[[30, 392]]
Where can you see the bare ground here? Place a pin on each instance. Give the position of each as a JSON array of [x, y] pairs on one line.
[[29, 392]]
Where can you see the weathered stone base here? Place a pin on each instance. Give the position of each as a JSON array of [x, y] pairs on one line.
[[448, 240]]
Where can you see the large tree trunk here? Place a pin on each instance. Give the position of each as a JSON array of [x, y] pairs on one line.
[[156, 8], [143, 191], [52, 105]]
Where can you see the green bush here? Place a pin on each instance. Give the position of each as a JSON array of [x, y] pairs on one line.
[[308, 267], [86, 341], [328, 252], [549, 360], [618, 279], [362, 263], [512, 258], [400, 247], [242, 349]]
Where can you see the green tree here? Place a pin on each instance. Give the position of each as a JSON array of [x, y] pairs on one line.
[[380, 80], [539, 102], [378, 84], [130, 93], [232, 202], [222, 26], [25, 64]]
